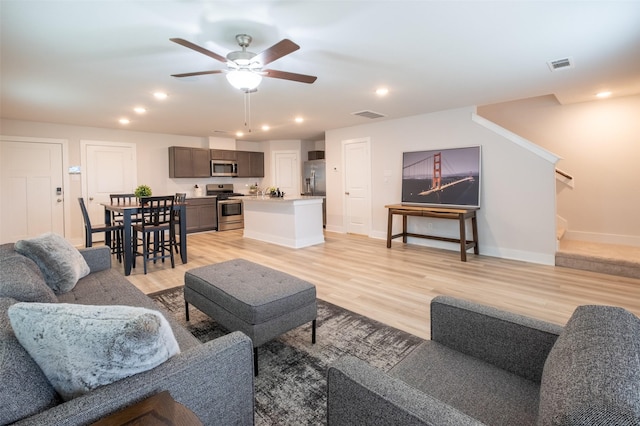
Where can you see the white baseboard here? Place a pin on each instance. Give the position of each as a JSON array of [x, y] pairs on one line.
[[283, 240], [336, 229], [525, 256], [77, 242]]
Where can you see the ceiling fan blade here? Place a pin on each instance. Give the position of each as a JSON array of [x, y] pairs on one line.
[[302, 78], [191, 74], [276, 51], [199, 49]]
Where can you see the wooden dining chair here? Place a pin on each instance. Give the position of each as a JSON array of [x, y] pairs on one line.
[[180, 197], [115, 229], [156, 228]]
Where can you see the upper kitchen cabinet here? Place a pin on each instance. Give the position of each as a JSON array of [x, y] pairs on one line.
[[223, 154], [250, 164], [185, 162]]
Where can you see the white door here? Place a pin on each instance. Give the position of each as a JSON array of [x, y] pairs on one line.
[[286, 172], [357, 184], [109, 168], [31, 189]]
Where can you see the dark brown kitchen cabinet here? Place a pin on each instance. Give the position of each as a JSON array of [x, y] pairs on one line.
[[202, 214], [185, 162], [222, 154], [250, 164], [315, 155]]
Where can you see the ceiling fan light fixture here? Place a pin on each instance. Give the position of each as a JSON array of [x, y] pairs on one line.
[[244, 79]]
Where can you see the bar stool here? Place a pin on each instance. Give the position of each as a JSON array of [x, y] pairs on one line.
[[180, 198], [120, 200], [156, 223], [115, 228]]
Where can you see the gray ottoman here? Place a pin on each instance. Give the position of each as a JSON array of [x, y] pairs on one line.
[[243, 296]]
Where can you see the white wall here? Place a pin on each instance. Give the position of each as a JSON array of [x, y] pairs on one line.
[[278, 145], [516, 220], [151, 150], [517, 215], [599, 142]]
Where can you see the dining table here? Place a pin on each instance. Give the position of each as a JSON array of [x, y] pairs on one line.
[[129, 211]]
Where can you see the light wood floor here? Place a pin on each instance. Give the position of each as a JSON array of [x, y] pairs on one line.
[[395, 285]]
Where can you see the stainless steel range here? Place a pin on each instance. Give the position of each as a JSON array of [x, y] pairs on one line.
[[230, 212]]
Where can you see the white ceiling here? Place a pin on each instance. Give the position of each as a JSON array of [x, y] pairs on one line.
[[89, 63]]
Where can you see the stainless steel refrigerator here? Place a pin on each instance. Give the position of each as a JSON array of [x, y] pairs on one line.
[[314, 178], [314, 182]]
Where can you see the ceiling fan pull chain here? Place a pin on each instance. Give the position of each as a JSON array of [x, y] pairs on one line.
[[249, 109], [245, 109]]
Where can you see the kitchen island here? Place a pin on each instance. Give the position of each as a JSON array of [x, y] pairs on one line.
[[287, 221]]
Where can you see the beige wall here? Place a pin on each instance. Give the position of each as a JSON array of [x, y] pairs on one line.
[[151, 151], [600, 145], [517, 218], [517, 215]]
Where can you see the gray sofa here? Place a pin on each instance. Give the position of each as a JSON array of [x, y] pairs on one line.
[[214, 380], [487, 366]]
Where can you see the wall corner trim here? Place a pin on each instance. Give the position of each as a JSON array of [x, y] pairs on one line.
[[518, 140]]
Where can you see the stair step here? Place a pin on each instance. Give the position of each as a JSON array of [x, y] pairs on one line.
[[602, 264]]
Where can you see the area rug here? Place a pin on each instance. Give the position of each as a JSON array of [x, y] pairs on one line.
[[291, 388]]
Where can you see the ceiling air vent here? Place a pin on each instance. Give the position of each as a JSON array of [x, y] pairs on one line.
[[368, 114], [560, 64]]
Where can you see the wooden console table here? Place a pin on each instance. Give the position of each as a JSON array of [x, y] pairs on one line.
[[442, 213]]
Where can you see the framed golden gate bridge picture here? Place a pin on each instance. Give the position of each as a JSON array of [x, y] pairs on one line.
[[442, 177]]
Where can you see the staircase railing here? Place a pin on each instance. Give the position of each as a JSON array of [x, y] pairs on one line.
[[565, 178]]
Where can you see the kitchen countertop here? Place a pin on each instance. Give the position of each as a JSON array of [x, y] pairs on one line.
[[292, 221], [287, 198]]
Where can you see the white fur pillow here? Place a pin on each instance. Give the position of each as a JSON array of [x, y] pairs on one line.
[[81, 347], [61, 263]]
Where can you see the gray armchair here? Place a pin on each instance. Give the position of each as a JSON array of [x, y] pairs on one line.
[[487, 366]]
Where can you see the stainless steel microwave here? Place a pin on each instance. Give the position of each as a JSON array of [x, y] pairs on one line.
[[224, 168]]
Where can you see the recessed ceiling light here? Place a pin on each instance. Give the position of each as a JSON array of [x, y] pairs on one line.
[[124, 121], [299, 119], [603, 94], [160, 95], [265, 127], [382, 91], [140, 110], [239, 134]]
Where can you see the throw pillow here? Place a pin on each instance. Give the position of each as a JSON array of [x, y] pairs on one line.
[[24, 389], [81, 347], [21, 279], [61, 263]]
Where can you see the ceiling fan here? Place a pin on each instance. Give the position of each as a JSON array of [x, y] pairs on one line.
[[245, 69]]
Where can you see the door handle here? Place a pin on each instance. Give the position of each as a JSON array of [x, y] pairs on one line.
[[346, 193], [90, 198], [59, 200]]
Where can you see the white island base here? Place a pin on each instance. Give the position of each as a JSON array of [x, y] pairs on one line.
[[290, 221]]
